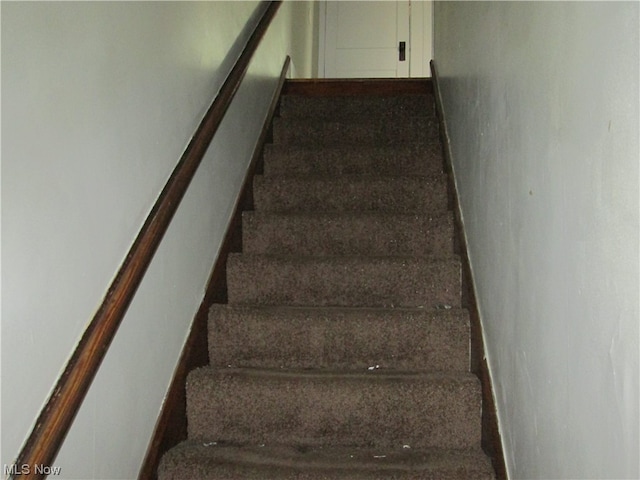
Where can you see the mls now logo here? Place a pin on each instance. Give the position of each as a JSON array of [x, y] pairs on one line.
[[26, 469]]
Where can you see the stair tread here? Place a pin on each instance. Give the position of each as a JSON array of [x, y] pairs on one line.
[[339, 338], [408, 281], [350, 193], [408, 146], [278, 461], [327, 375], [349, 259], [342, 233], [372, 130], [390, 182], [392, 105], [344, 261], [360, 119], [437, 217], [349, 178], [343, 407], [412, 159], [446, 312], [418, 220], [405, 148]]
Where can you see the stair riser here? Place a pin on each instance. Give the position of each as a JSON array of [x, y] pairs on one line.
[[342, 281], [347, 234], [408, 159], [346, 410], [357, 106], [338, 338], [406, 195], [295, 132]]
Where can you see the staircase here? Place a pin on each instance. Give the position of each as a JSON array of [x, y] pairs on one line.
[[343, 352]]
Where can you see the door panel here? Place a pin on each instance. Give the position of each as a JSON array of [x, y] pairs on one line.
[[377, 29]]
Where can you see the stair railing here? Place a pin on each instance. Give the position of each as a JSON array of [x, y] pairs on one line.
[[56, 417]]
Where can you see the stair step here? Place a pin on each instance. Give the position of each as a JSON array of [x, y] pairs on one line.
[[401, 106], [350, 233], [406, 159], [343, 281], [211, 460], [349, 193], [343, 351], [350, 338], [334, 408], [371, 131]]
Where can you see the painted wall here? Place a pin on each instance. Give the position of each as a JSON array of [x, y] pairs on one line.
[[304, 42], [99, 100], [542, 103]]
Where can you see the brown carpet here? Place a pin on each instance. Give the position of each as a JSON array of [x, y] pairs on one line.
[[343, 352]]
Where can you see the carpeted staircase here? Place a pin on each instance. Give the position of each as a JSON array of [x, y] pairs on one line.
[[343, 352]]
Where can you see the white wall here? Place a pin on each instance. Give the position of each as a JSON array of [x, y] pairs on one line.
[[99, 101], [304, 42], [542, 102]]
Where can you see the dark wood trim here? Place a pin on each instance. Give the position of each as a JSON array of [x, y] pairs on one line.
[[58, 414], [491, 442], [366, 86], [171, 427]]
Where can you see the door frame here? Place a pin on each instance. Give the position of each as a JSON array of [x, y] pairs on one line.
[[420, 42]]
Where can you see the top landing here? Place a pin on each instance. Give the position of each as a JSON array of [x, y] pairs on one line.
[[358, 86]]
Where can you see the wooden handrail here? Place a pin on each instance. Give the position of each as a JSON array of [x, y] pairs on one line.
[[58, 414]]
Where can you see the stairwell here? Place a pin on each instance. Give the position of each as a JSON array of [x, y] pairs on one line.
[[343, 351]]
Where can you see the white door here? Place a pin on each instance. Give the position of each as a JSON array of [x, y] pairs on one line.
[[362, 39], [367, 39]]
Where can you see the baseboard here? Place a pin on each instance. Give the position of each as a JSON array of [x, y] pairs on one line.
[[491, 441], [171, 426]]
